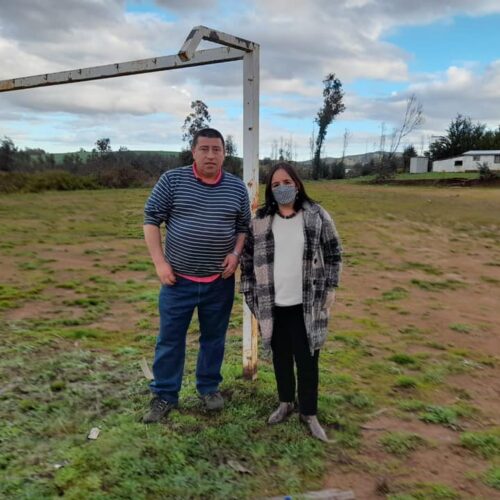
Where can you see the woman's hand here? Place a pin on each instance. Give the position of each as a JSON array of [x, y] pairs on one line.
[[330, 299]]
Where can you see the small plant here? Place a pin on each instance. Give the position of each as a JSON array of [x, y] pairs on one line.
[[440, 415], [397, 293], [426, 268], [460, 327], [492, 477], [401, 443], [426, 491], [412, 405], [484, 443], [406, 382], [403, 359], [485, 174], [434, 286]]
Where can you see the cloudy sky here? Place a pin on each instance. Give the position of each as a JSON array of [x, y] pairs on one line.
[[446, 53]]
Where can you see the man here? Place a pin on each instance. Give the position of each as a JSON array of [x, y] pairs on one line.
[[206, 212]]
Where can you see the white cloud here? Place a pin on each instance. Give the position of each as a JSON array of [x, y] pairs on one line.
[[301, 42]]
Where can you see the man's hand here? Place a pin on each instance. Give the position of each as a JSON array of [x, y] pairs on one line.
[[229, 265], [165, 273]]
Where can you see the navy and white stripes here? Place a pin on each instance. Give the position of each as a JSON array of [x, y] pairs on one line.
[[202, 220]]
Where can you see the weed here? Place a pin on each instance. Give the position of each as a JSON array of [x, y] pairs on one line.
[[490, 279], [403, 359], [411, 405], [397, 293], [401, 443], [406, 382], [425, 491], [435, 286], [483, 443], [460, 327], [492, 477], [421, 266], [443, 415]]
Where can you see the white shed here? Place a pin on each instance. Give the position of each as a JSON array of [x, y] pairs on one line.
[[419, 164], [469, 161]]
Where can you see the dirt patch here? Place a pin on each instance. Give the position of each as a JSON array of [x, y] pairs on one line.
[[440, 459], [444, 300]]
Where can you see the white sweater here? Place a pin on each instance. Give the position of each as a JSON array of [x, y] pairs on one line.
[[288, 257]]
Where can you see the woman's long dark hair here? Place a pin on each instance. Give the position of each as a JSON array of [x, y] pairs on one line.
[[270, 207]]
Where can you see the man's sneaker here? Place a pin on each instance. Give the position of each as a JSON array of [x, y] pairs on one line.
[[213, 401], [159, 410]]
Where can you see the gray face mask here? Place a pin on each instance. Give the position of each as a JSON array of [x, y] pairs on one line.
[[284, 194]]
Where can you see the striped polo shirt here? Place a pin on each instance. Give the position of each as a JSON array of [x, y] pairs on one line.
[[202, 220]]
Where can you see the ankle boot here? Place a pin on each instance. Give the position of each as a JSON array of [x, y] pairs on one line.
[[281, 413], [315, 427]]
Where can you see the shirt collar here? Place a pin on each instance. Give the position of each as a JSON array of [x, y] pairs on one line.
[[206, 181]]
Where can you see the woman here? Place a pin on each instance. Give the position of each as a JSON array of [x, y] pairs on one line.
[[289, 271]]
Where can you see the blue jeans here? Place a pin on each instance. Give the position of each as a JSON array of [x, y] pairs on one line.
[[176, 304]]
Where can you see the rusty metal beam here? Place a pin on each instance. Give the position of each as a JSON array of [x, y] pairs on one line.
[[200, 58], [199, 33]]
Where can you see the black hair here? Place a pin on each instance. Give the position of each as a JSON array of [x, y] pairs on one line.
[[270, 207], [211, 133]]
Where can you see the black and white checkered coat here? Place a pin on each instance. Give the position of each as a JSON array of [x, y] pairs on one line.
[[320, 272]]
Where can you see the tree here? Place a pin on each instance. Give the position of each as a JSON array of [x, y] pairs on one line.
[[491, 139], [485, 174], [347, 138], [462, 135], [7, 154], [412, 119], [332, 106], [198, 119], [408, 153], [231, 149], [103, 145], [232, 163]]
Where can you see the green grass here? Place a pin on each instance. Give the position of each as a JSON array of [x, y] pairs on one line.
[[406, 382], [460, 328], [442, 415], [426, 491], [435, 286], [483, 443], [404, 359], [78, 311], [492, 477], [401, 443], [397, 293]]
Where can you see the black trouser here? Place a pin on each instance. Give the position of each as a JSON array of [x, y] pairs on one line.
[[289, 343]]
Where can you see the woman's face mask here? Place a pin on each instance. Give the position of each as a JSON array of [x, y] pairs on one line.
[[284, 194]]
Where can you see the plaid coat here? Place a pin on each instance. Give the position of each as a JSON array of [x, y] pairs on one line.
[[320, 272]]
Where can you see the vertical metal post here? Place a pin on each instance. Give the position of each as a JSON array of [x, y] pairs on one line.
[[251, 179]]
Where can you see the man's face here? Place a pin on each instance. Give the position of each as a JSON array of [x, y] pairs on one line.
[[209, 156]]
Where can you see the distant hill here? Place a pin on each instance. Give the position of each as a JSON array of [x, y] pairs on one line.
[[350, 160], [58, 157]]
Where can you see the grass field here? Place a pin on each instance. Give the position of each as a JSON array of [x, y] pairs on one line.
[[432, 176], [410, 375]]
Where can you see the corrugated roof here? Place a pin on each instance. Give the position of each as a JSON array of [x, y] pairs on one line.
[[483, 152]]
